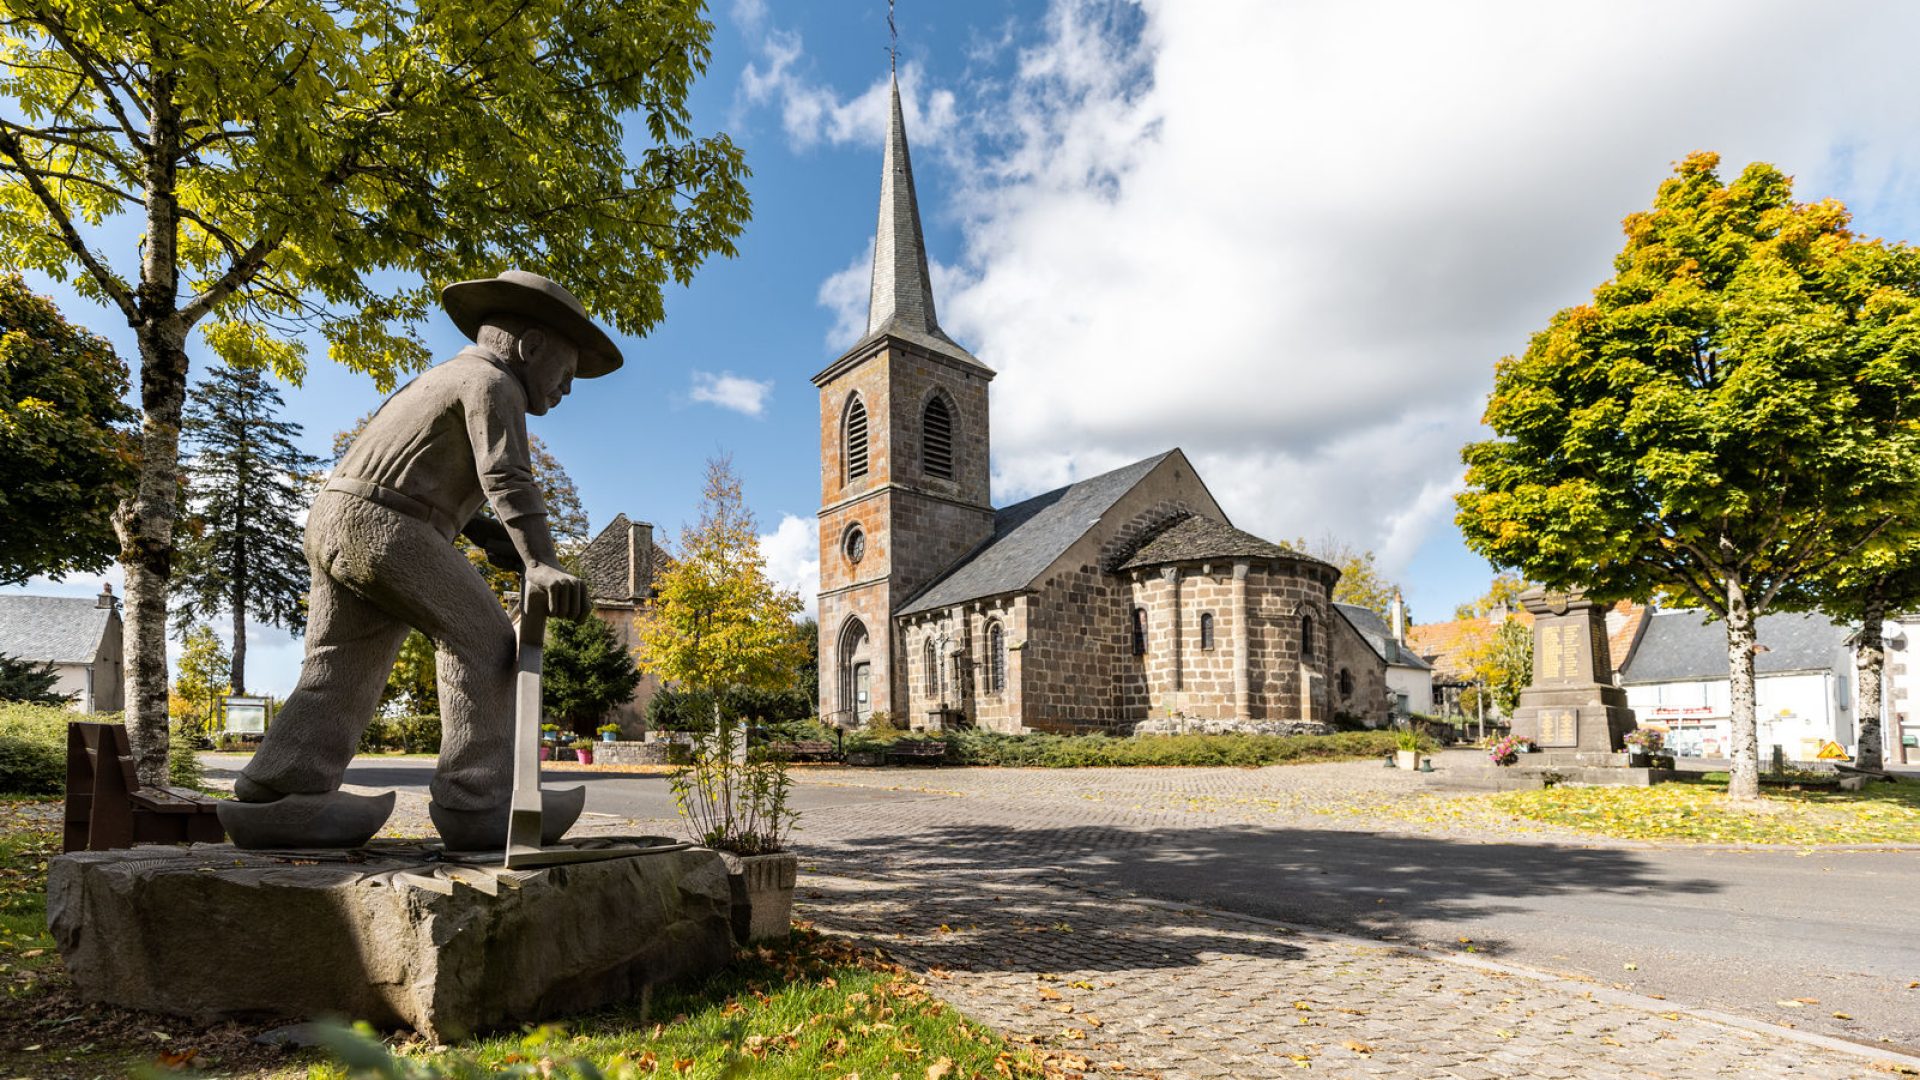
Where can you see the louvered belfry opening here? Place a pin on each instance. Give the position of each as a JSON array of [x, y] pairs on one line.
[[856, 439], [936, 438]]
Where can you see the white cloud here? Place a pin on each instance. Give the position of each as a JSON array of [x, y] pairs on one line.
[[729, 391], [1293, 239], [812, 112], [792, 552]]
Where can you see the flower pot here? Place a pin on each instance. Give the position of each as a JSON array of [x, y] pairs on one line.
[[586, 756], [609, 736], [546, 752], [762, 890], [1407, 759], [1638, 758]]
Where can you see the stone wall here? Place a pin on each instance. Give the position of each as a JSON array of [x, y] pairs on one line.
[[1363, 694]]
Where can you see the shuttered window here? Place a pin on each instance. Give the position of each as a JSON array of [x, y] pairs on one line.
[[856, 452], [936, 438]]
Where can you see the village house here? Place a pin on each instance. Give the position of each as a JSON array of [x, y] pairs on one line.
[[79, 636], [1122, 598], [618, 565]]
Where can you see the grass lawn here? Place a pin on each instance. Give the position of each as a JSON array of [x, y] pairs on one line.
[[1699, 810], [811, 1007]]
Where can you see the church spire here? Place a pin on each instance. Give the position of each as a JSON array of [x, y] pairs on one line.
[[902, 298]]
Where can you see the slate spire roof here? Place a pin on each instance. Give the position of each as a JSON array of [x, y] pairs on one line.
[[901, 301]]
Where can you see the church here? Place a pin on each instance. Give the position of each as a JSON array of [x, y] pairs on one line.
[[1123, 600]]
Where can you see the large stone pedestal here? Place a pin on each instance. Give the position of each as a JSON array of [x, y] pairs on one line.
[[396, 939], [1572, 710]]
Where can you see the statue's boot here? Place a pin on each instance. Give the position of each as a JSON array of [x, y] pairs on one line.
[[486, 830], [333, 819]]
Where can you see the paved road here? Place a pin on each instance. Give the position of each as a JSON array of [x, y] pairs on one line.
[[1744, 930]]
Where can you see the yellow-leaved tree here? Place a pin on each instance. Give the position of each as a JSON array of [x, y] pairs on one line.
[[718, 621]]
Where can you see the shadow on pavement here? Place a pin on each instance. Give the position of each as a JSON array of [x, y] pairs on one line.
[[1359, 882]]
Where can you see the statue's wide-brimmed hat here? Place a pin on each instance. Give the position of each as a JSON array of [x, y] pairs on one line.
[[530, 296]]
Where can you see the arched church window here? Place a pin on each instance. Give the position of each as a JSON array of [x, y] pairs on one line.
[[1346, 683], [1139, 631], [1206, 629], [996, 658], [1306, 636], [936, 438], [856, 438], [931, 661]]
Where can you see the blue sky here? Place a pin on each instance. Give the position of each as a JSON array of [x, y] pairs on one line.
[[1289, 238]]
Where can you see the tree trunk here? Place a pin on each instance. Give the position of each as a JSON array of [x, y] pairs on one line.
[[1744, 783], [145, 524], [238, 678], [145, 521], [1870, 660]]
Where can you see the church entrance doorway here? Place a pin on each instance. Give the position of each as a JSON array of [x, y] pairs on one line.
[[862, 693], [855, 669]]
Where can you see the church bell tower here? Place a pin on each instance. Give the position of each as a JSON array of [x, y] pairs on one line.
[[903, 462]]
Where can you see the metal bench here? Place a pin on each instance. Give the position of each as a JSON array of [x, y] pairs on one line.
[[108, 808]]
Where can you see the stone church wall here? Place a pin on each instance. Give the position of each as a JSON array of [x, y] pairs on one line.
[[1079, 671], [1363, 695]]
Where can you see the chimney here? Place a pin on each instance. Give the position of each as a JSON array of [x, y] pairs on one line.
[[106, 599], [1399, 611], [639, 560], [1498, 616]]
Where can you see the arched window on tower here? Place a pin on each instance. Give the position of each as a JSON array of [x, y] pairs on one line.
[[996, 659], [1306, 636], [936, 438], [855, 444]]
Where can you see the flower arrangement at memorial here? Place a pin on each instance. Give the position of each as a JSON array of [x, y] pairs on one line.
[[1648, 740], [1508, 750]]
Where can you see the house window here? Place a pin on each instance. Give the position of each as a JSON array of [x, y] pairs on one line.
[[856, 438], [1306, 636], [996, 658], [1139, 631], [936, 438], [931, 662], [855, 544], [1206, 630]]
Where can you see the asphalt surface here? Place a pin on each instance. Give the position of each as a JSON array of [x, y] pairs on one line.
[[1826, 940]]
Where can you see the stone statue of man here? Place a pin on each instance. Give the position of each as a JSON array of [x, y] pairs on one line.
[[380, 542]]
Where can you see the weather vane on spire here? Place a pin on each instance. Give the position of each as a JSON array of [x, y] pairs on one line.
[[893, 41]]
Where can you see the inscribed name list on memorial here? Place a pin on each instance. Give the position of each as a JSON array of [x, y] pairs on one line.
[[1560, 652], [1559, 727]]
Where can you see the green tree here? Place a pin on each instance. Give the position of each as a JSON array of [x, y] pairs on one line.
[[1361, 582], [587, 672], [202, 678], [321, 166], [29, 682], [717, 619], [1882, 578], [248, 487], [1502, 664], [414, 685], [64, 450], [1732, 414]]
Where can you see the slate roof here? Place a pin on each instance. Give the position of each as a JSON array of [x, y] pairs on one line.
[[52, 629], [1680, 645], [1196, 537], [1446, 645], [1028, 536], [604, 563], [1379, 637]]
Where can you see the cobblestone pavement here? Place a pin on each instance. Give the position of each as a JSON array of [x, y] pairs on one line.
[[1116, 985]]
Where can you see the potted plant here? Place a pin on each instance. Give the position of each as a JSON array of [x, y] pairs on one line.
[[583, 750], [737, 804], [1642, 744], [550, 732], [1505, 752], [608, 732], [1407, 749]]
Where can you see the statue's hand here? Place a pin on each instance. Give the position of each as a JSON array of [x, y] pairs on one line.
[[566, 595]]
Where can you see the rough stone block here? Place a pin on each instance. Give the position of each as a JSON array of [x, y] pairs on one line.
[[394, 939]]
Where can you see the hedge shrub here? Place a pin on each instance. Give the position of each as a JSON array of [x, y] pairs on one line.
[[414, 733], [1070, 751], [33, 750]]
